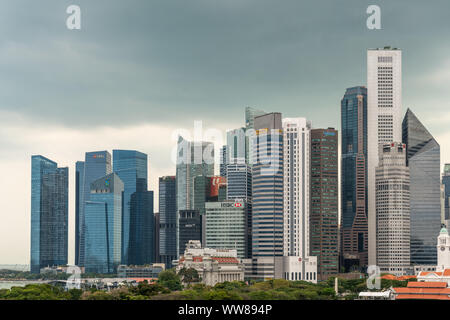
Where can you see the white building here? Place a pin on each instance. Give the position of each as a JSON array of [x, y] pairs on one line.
[[384, 120], [393, 211], [213, 265], [296, 264], [442, 273]]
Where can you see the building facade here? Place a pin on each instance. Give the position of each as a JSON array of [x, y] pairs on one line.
[[167, 220], [103, 225], [131, 167], [49, 214], [267, 194], [97, 164], [446, 183], [324, 186], [424, 162], [393, 210], [190, 227], [213, 265], [226, 226], [384, 120], [141, 248], [354, 224]]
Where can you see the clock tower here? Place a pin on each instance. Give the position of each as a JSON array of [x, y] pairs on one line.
[[443, 250]]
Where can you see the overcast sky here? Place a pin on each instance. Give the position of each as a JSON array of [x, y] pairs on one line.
[[140, 69]]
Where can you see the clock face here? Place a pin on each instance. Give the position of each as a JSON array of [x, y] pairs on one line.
[[442, 248]]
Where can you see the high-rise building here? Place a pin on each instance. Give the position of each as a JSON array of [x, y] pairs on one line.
[[354, 237], [193, 159], [97, 164], [131, 167], [296, 132], [392, 210], [424, 162], [49, 214], [167, 220], [79, 196], [324, 201], [142, 228], [384, 120], [236, 145], [223, 161], [156, 236], [446, 183], [267, 194], [103, 225], [190, 227], [226, 226], [206, 189], [250, 114]]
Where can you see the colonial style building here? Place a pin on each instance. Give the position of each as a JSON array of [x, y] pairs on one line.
[[213, 265]]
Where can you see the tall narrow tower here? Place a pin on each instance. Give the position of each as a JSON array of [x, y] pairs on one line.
[[384, 120]]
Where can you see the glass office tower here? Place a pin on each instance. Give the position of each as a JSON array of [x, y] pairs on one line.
[[79, 196], [190, 227], [131, 167], [446, 183], [49, 214], [103, 225], [354, 227], [142, 229], [267, 194], [167, 220], [97, 164], [423, 160]]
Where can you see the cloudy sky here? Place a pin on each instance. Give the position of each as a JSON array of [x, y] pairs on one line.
[[138, 70]]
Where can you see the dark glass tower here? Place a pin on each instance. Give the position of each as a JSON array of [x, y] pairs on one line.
[[324, 201], [97, 164], [79, 183], [267, 192], [190, 227], [446, 183], [142, 228], [103, 225], [49, 214], [167, 220], [423, 160], [131, 167], [354, 228]]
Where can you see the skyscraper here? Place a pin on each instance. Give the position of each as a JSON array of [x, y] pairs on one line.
[[296, 144], [226, 226], [142, 229], [190, 227], [392, 210], [97, 164], [424, 162], [324, 201], [446, 183], [131, 167], [354, 238], [193, 159], [79, 196], [103, 225], [267, 194], [250, 114], [384, 117], [223, 161], [49, 214], [167, 220]]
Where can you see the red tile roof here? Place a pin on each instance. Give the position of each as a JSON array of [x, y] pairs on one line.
[[427, 284], [424, 290], [422, 296]]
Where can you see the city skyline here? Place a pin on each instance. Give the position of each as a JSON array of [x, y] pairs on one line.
[[58, 132]]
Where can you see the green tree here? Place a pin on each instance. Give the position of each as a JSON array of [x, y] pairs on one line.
[[189, 275], [170, 280]]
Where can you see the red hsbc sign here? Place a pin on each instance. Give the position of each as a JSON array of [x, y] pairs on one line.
[[238, 204]]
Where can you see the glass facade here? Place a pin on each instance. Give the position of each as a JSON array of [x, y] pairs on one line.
[[446, 183], [103, 225], [49, 214], [267, 184], [193, 159], [142, 229], [131, 167], [79, 183], [190, 226], [226, 227], [167, 220], [423, 160], [97, 164], [324, 201], [354, 237]]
